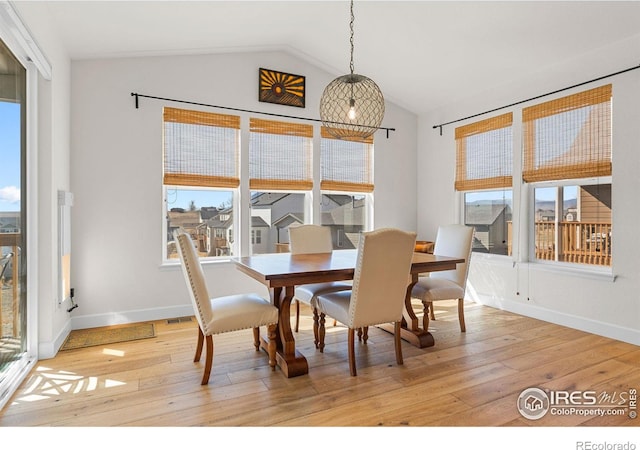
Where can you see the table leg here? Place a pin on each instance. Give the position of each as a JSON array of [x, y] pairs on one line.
[[410, 330], [291, 362]]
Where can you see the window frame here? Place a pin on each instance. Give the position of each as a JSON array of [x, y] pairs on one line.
[[311, 187], [531, 238], [523, 201]]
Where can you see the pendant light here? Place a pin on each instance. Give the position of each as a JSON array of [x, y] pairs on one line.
[[352, 105]]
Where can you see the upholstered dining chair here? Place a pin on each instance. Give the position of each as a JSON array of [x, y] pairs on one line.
[[380, 285], [451, 240], [223, 314], [309, 238]]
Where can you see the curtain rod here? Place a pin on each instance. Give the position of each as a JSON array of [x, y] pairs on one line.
[[536, 97], [137, 96]]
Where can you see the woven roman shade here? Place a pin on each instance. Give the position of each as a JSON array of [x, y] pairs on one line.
[[346, 164], [280, 155], [484, 154], [200, 148], [569, 137]]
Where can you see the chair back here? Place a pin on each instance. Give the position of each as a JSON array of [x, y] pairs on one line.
[[454, 240], [194, 277], [310, 239], [381, 277]]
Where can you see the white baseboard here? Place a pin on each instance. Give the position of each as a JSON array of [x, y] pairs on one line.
[[629, 335], [632, 336], [118, 318], [47, 350]]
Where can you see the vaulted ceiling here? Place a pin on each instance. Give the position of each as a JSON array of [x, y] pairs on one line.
[[423, 54]]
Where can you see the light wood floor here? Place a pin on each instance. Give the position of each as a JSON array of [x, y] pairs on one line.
[[471, 379]]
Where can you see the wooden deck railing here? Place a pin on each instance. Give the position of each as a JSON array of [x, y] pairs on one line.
[[578, 242], [9, 307]]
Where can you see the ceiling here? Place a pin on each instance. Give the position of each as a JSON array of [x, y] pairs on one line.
[[422, 54]]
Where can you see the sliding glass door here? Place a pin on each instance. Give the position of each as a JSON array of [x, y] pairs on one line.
[[13, 252]]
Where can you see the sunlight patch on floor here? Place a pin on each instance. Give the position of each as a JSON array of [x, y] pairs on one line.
[[47, 383]]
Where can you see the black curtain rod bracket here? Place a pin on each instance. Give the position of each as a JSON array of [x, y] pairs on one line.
[[536, 97], [137, 96]]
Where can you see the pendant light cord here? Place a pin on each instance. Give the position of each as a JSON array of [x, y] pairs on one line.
[[351, 39]]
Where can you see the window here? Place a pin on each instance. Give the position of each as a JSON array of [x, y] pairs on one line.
[[200, 179], [484, 162], [280, 179], [567, 160], [346, 169], [201, 183]]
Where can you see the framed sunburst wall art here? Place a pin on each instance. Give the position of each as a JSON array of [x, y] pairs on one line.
[[281, 88]]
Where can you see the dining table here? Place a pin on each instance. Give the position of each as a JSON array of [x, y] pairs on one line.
[[282, 272]]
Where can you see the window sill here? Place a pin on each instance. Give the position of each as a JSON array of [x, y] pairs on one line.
[[575, 270], [594, 273], [172, 265]]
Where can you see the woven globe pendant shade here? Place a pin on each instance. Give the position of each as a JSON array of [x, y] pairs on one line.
[[352, 106]]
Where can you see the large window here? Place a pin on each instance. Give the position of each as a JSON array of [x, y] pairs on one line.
[[567, 160], [200, 179], [346, 171], [566, 174], [201, 183], [484, 162], [16, 353], [280, 179]]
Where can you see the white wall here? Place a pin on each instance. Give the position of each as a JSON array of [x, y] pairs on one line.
[[116, 174], [597, 304], [53, 131]]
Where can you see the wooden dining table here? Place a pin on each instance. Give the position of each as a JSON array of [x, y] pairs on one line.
[[282, 272]]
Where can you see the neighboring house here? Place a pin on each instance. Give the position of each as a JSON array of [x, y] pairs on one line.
[[282, 225], [9, 221], [270, 205], [545, 215], [260, 242], [346, 218], [490, 222], [220, 225], [191, 222], [595, 203]]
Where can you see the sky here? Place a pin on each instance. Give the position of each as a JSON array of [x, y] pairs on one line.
[[9, 156], [181, 198]]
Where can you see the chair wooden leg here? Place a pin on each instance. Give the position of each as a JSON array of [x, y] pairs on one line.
[[208, 360], [398, 342], [360, 334], [271, 331], [352, 352], [316, 325], [365, 334], [297, 315], [463, 327], [321, 333], [256, 338], [432, 313], [196, 358], [425, 315]]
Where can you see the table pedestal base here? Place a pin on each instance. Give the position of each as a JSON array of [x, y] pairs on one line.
[[419, 338], [291, 365]]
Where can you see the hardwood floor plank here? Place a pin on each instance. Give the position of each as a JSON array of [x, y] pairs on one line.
[[466, 379]]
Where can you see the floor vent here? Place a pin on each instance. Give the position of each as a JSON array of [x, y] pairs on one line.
[[179, 320]]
